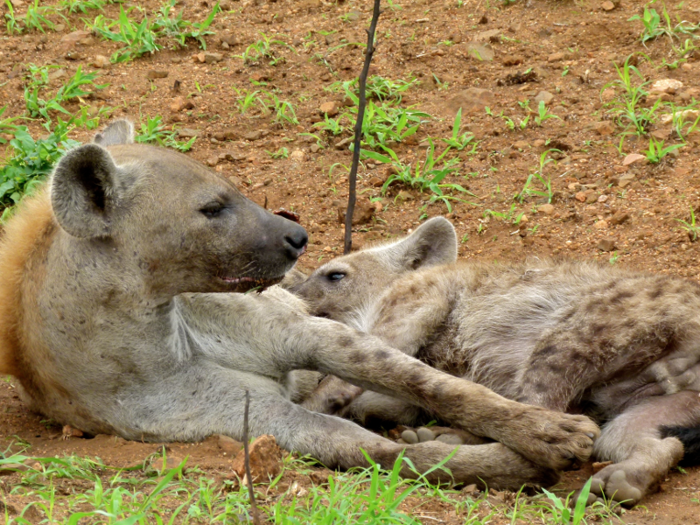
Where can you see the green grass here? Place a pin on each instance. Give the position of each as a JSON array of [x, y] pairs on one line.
[[544, 188], [73, 490], [153, 131]]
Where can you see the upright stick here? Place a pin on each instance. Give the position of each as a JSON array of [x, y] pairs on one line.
[[358, 129]]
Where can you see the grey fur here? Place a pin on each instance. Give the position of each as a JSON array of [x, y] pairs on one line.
[[620, 346], [125, 329]]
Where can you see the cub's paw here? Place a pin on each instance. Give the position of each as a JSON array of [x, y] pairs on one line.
[[618, 483], [449, 436], [331, 396], [552, 439]]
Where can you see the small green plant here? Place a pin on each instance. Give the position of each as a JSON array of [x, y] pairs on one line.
[[543, 114], [377, 88], [282, 110], [137, 39], [614, 258], [282, 153], [153, 130], [460, 141], [682, 125], [428, 176], [510, 216], [35, 18], [39, 77], [561, 511], [173, 26], [654, 27], [262, 49], [82, 6], [539, 176], [657, 151], [12, 24], [31, 160], [246, 99], [692, 228]]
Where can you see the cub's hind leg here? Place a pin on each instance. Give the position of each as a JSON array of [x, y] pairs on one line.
[[642, 444]]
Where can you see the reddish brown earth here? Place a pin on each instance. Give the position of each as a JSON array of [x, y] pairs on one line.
[[570, 46]]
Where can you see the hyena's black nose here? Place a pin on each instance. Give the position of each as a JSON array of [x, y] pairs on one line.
[[295, 241]]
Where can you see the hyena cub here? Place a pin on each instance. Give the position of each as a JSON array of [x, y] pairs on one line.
[[619, 346]]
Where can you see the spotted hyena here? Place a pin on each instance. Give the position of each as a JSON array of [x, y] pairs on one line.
[[122, 311], [619, 346]]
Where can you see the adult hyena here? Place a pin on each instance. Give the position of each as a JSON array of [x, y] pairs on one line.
[[121, 311]]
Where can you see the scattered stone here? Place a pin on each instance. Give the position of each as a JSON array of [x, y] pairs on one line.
[[253, 135], [100, 61], [604, 128], [492, 35], [581, 196], [556, 57], [607, 5], [297, 155], [661, 134], [210, 57], [227, 134], [529, 75], [233, 156], [520, 144], [188, 133], [69, 432], [228, 445], [57, 73], [666, 85], [687, 115], [471, 100], [344, 143], [364, 211], [544, 96], [625, 180], [71, 39], [470, 489], [329, 108], [180, 104], [603, 198], [547, 209], [601, 225], [154, 74], [539, 143], [632, 158], [425, 434], [606, 245], [410, 437], [265, 460], [404, 196], [482, 52], [376, 182], [512, 60], [314, 148], [619, 217]]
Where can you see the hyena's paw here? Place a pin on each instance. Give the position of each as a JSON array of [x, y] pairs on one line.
[[621, 483], [449, 436], [552, 439], [331, 396]]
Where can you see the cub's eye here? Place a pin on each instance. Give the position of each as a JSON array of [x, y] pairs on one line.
[[212, 210], [335, 276]]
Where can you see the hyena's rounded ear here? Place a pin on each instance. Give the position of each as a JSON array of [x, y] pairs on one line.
[[84, 191], [433, 243], [118, 132]]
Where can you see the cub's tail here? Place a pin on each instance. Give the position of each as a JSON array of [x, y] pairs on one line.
[[690, 437]]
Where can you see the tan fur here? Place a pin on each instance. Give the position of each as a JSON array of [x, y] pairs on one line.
[[622, 347], [123, 312], [25, 239]]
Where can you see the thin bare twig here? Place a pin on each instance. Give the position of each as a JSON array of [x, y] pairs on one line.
[[352, 177], [246, 463]]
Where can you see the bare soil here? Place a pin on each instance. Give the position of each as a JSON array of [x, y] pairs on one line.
[[565, 48]]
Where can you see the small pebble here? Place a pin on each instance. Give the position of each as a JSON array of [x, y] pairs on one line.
[[425, 434]]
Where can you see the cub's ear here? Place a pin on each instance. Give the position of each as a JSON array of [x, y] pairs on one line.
[[432, 244], [118, 132], [85, 188]]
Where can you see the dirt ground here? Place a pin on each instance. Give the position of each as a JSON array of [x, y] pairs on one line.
[[482, 55]]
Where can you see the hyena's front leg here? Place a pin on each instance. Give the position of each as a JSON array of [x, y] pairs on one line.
[[170, 411], [550, 439]]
